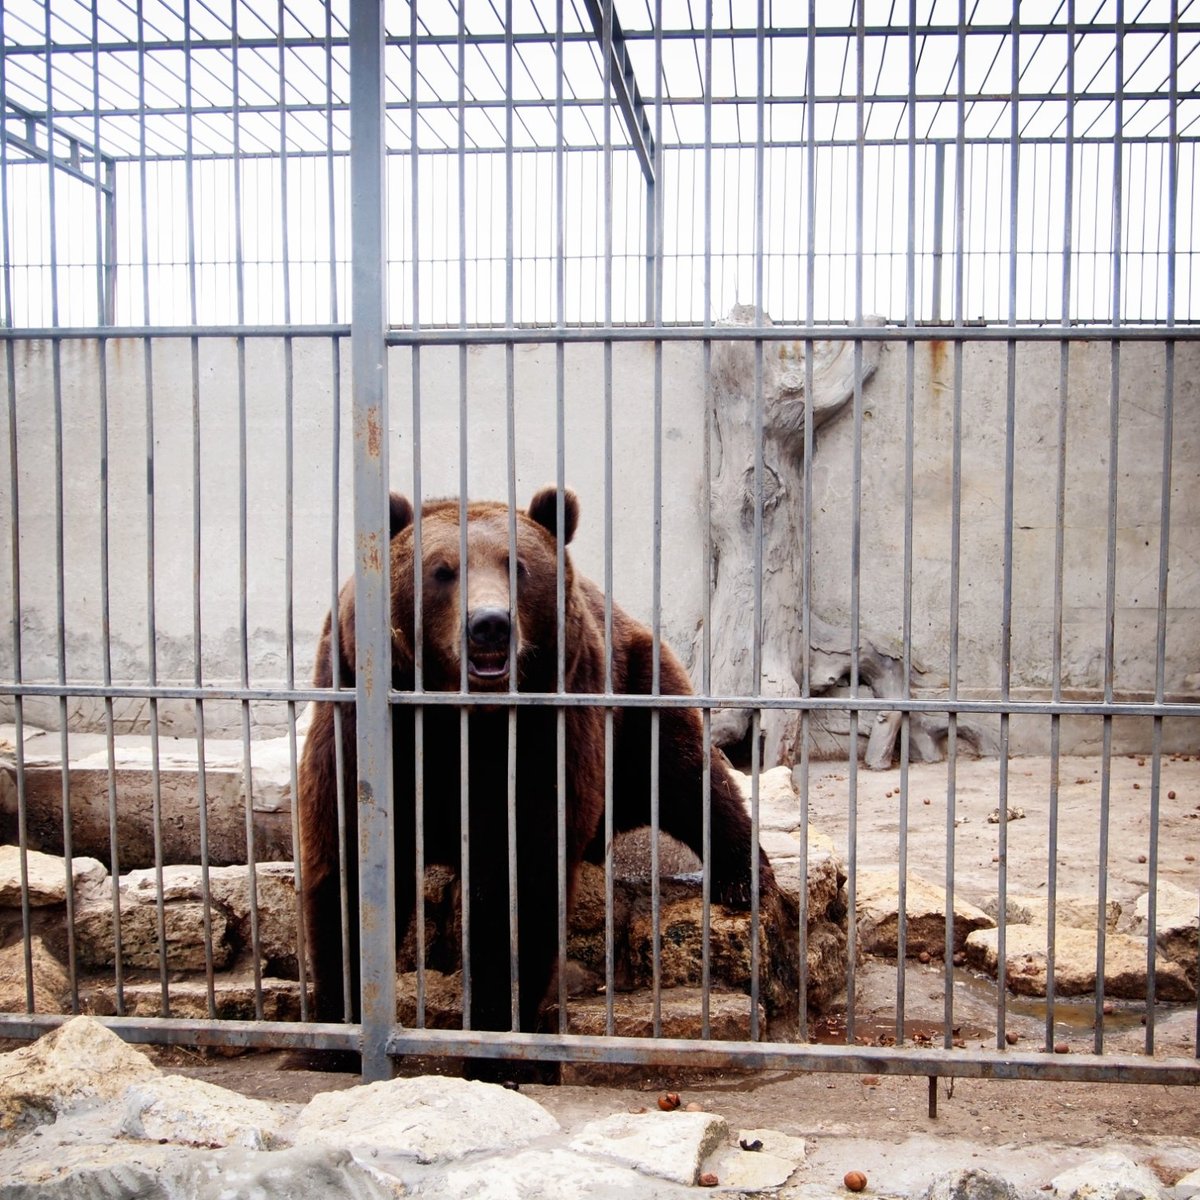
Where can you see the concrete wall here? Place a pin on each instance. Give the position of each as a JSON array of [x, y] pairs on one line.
[[683, 573]]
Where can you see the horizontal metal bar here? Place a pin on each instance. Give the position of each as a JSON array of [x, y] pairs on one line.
[[865, 704], [106, 332], [882, 1060], [798, 333], [547, 37], [178, 1031], [538, 335]]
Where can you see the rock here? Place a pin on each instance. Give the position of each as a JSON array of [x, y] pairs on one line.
[[1075, 963], [443, 1000], [183, 904], [1189, 1186], [826, 872], [778, 797], [81, 1170], [47, 876], [974, 1184], [275, 887], [877, 908], [827, 962], [429, 1119], [1112, 1177], [545, 1175], [192, 1112], [80, 1061], [633, 1014], [765, 1169], [665, 1145], [1075, 912], [681, 914], [50, 982], [183, 916], [1176, 923]]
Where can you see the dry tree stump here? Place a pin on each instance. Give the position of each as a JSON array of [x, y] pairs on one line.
[[734, 437]]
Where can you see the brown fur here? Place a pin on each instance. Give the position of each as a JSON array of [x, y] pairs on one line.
[[487, 582]]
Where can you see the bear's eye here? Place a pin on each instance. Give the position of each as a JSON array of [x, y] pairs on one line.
[[521, 572], [444, 574]]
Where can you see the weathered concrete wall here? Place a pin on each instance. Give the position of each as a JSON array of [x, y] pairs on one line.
[[220, 591]]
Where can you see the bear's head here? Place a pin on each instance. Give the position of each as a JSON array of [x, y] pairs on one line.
[[464, 602]]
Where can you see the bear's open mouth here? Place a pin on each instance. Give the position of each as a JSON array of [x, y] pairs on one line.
[[488, 666]]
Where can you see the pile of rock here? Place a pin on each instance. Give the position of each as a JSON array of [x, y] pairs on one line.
[[197, 933]]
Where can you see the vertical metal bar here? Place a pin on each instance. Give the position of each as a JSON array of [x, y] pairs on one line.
[[464, 794], [1164, 533], [289, 511], [759, 476], [243, 529], [706, 622], [909, 397], [105, 590], [335, 510], [560, 564], [856, 517], [960, 160], [609, 932], [418, 573], [939, 219], [810, 202], [1060, 518], [654, 194], [59, 518], [1010, 416], [1110, 589], [511, 442], [373, 647]]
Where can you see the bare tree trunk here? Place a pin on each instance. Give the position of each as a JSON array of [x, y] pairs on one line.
[[736, 432]]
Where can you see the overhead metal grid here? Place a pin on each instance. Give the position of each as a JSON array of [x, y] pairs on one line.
[[582, 173]]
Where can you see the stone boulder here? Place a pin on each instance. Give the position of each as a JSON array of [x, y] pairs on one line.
[[1074, 912], [666, 1145], [192, 1112], [877, 900], [430, 1119], [46, 875], [184, 918], [51, 985], [1125, 961], [1110, 1177], [77, 1063], [1176, 924]]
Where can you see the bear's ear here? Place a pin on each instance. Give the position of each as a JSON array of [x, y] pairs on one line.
[[543, 509], [400, 513]]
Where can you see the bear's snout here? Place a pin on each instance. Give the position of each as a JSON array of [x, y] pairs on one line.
[[489, 631]]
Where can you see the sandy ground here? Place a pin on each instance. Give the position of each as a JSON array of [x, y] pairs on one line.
[[1029, 1131]]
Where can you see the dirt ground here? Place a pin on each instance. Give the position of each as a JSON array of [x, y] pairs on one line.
[[881, 1124]]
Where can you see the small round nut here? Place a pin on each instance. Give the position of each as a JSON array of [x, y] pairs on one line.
[[855, 1181], [668, 1101], [708, 1179]]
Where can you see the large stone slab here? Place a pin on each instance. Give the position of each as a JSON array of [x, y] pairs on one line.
[[877, 905], [46, 875], [1125, 961], [766, 1169], [178, 788], [233, 998], [665, 1145], [77, 1063], [428, 1119], [680, 1014]]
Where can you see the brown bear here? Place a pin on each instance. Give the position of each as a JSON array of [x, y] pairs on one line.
[[494, 645]]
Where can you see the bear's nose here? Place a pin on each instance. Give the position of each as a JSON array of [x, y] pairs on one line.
[[489, 628]]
